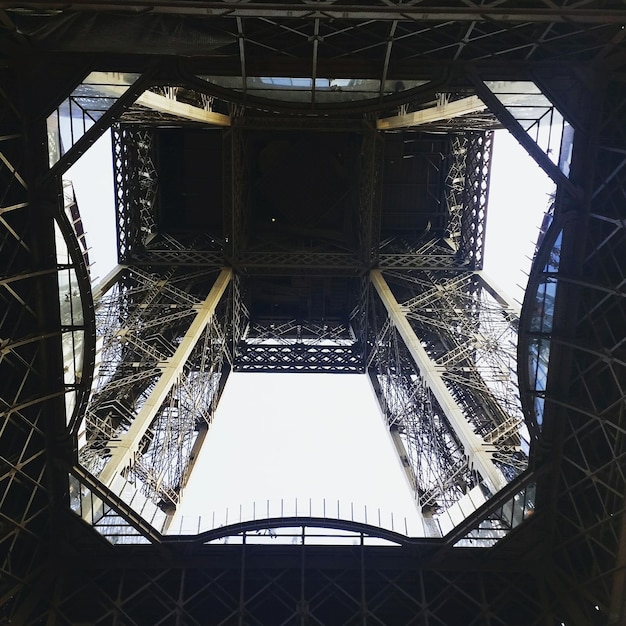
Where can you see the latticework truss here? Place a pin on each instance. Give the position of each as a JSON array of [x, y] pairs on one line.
[[142, 323], [469, 345], [383, 280]]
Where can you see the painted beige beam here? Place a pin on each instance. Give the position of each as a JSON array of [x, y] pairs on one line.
[[124, 450], [448, 111], [498, 293], [474, 447], [115, 85], [106, 283], [170, 106]]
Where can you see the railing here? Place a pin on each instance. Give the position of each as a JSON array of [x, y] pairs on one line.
[[327, 509], [142, 521]]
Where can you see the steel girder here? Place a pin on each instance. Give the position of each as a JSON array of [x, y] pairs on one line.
[[586, 502], [460, 384], [512, 42], [135, 189], [457, 11], [277, 263], [143, 242], [146, 321], [473, 221], [299, 358], [297, 584], [587, 396], [370, 200], [32, 398]]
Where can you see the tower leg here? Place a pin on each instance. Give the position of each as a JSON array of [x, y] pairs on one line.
[[474, 447]]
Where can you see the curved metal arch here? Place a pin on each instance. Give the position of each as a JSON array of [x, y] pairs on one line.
[[89, 316], [527, 393], [283, 106], [233, 530]]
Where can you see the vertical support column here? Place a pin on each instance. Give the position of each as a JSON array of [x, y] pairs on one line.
[[227, 190], [304, 607], [408, 470], [241, 619], [618, 588], [474, 447], [363, 588], [136, 188], [125, 449], [369, 196], [477, 171], [234, 213]]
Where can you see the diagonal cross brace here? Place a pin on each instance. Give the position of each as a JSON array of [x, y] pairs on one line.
[[475, 448], [123, 451]]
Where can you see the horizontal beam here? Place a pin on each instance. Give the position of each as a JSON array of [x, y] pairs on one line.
[[275, 262], [162, 104], [103, 496], [341, 10], [499, 294], [106, 283], [298, 357], [446, 111], [523, 138]]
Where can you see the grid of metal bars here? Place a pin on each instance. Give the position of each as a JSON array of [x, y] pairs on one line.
[[580, 581]]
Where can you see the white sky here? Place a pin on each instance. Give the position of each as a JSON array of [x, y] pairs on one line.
[[518, 197], [307, 436], [288, 437]]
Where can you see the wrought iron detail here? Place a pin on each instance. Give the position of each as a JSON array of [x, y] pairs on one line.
[[135, 181], [142, 320]]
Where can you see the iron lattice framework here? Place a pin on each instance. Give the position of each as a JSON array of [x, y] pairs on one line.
[[376, 282], [470, 339], [142, 321]]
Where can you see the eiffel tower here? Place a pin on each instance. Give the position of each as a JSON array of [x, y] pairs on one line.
[[302, 187]]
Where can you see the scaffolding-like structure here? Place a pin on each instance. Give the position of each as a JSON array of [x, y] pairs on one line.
[[221, 116]]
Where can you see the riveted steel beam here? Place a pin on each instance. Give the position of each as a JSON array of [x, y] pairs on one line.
[[443, 111], [474, 447], [124, 450], [468, 12]]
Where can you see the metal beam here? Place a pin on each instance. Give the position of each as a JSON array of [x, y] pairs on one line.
[[444, 111], [101, 496], [475, 448], [298, 357], [494, 290], [170, 106], [114, 112], [106, 283], [286, 262], [524, 139], [124, 450], [344, 11]]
